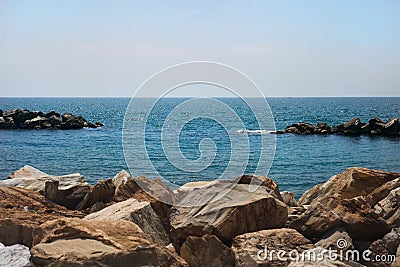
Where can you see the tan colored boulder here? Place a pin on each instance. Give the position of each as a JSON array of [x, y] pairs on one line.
[[351, 183], [225, 212], [33, 179], [69, 198], [389, 208], [383, 191], [255, 249], [22, 211], [76, 242], [103, 191], [355, 215], [207, 250], [288, 199], [336, 239], [137, 212], [263, 181]]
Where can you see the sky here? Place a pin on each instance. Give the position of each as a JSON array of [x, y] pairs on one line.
[[288, 48]]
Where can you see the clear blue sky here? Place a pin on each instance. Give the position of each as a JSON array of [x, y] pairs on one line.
[[108, 48]]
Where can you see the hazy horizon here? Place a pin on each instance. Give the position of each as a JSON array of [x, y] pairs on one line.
[[297, 49]]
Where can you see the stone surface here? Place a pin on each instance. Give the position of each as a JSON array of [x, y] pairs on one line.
[[76, 242], [207, 250], [69, 198], [334, 240], [383, 191], [389, 208], [14, 256], [388, 245], [22, 211], [263, 181], [351, 183], [288, 199], [251, 249], [103, 191], [137, 212], [31, 178], [225, 212], [355, 215]]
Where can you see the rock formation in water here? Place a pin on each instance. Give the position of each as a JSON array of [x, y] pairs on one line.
[[136, 221], [25, 119]]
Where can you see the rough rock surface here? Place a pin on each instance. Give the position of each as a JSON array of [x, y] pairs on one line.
[[288, 199], [225, 212], [381, 192], [265, 182], [103, 191], [137, 212], [388, 245], [334, 240], [76, 242], [207, 250], [22, 211], [31, 178], [69, 198], [389, 208], [15, 256], [351, 183], [252, 249], [355, 215]]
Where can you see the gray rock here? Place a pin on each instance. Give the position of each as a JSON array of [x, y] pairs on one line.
[[389, 208], [15, 256]]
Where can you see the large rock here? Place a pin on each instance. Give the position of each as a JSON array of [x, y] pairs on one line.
[[69, 198], [392, 127], [336, 239], [389, 208], [207, 250], [388, 246], [31, 178], [103, 191], [383, 191], [351, 127], [288, 199], [22, 211], [253, 249], [300, 128], [76, 242], [137, 212], [355, 215], [351, 183], [267, 183], [15, 256], [225, 211]]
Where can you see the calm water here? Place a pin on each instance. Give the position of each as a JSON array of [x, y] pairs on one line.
[[299, 163]]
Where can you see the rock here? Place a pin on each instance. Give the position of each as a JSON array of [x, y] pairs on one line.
[[72, 122], [381, 192], [97, 207], [336, 239], [351, 183], [207, 250], [323, 126], [51, 114], [15, 255], [392, 127], [301, 128], [253, 249], [55, 121], [288, 199], [69, 198], [137, 212], [33, 179], [351, 127], [76, 242], [22, 211], [36, 123], [103, 191], [355, 215], [264, 181], [389, 208], [121, 177], [387, 246], [225, 211]]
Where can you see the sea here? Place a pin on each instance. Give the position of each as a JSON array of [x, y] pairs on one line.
[[212, 147]]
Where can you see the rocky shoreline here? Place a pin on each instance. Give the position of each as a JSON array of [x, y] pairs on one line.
[[353, 127], [48, 220], [25, 119]]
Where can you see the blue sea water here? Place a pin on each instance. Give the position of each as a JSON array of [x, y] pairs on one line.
[[299, 163]]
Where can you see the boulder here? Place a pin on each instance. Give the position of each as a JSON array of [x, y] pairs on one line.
[[389, 245], [36, 123], [301, 128], [323, 126], [254, 249], [33, 179], [267, 183], [336, 239], [206, 250], [355, 215], [288, 199], [137, 212], [72, 122], [22, 211], [351, 183], [103, 191], [391, 127], [389, 208], [69, 198], [76, 242], [381, 192], [225, 211], [15, 256], [351, 127]]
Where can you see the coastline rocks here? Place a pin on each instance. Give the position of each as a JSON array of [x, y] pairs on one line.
[[225, 212], [69, 198], [77, 242], [25, 119], [31, 178], [15, 255], [103, 191], [288, 199], [206, 250], [255, 249], [353, 127], [140, 213], [389, 208], [351, 183], [22, 211], [355, 215], [388, 245]]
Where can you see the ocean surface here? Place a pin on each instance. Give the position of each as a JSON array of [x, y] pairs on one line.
[[299, 161]]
